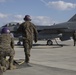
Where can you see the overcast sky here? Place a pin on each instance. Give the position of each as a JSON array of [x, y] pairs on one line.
[[42, 12]]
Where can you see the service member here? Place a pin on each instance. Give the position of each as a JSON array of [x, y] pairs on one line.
[[29, 32], [74, 37], [6, 48]]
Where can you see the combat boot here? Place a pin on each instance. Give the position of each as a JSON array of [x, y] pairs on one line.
[[11, 67], [27, 60], [1, 70]]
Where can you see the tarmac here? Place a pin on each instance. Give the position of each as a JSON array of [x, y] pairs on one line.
[[47, 60]]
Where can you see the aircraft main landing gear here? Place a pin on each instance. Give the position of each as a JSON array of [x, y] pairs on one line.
[[49, 42]]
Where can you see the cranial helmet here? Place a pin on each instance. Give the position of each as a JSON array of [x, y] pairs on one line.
[[5, 30], [27, 18]]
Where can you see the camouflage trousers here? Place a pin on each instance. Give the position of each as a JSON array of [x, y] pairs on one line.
[[3, 61], [74, 42], [27, 47]]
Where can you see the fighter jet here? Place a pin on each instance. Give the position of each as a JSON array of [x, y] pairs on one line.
[[62, 30]]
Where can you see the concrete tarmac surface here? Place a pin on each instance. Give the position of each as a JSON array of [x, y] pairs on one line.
[[47, 60]]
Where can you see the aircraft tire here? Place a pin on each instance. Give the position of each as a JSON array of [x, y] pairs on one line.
[[49, 42], [18, 43]]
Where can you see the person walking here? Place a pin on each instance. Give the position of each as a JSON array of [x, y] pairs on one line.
[[29, 33], [74, 37]]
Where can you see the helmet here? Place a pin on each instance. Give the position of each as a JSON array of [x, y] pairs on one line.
[[5, 30], [27, 18]]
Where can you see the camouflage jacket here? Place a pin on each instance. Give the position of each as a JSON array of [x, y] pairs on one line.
[[6, 42], [28, 31]]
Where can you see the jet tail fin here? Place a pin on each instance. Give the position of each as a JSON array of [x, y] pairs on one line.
[[73, 19]]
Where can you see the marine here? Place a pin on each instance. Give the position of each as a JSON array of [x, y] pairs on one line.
[[6, 49], [29, 33], [74, 37]]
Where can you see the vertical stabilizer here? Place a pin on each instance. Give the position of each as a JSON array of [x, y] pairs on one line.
[[73, 19]]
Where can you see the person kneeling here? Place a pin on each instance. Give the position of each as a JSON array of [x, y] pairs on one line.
[[6, 49]]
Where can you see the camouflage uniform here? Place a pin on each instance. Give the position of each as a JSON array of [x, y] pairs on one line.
[[74, 37], [6, 49], [29, 32]]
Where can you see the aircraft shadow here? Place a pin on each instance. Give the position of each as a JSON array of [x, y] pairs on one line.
[[41, 46], [44, 46], [51, 45]]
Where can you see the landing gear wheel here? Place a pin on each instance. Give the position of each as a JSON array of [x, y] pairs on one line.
[[49, 42], [18, 43]]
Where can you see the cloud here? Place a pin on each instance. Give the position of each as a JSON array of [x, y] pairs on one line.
[[3, 0], [3, 15], [61, 5], [18, 21], [42, 20], [38, 20], [18, 16]]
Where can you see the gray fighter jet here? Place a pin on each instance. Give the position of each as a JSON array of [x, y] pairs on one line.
[[62, 30]]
